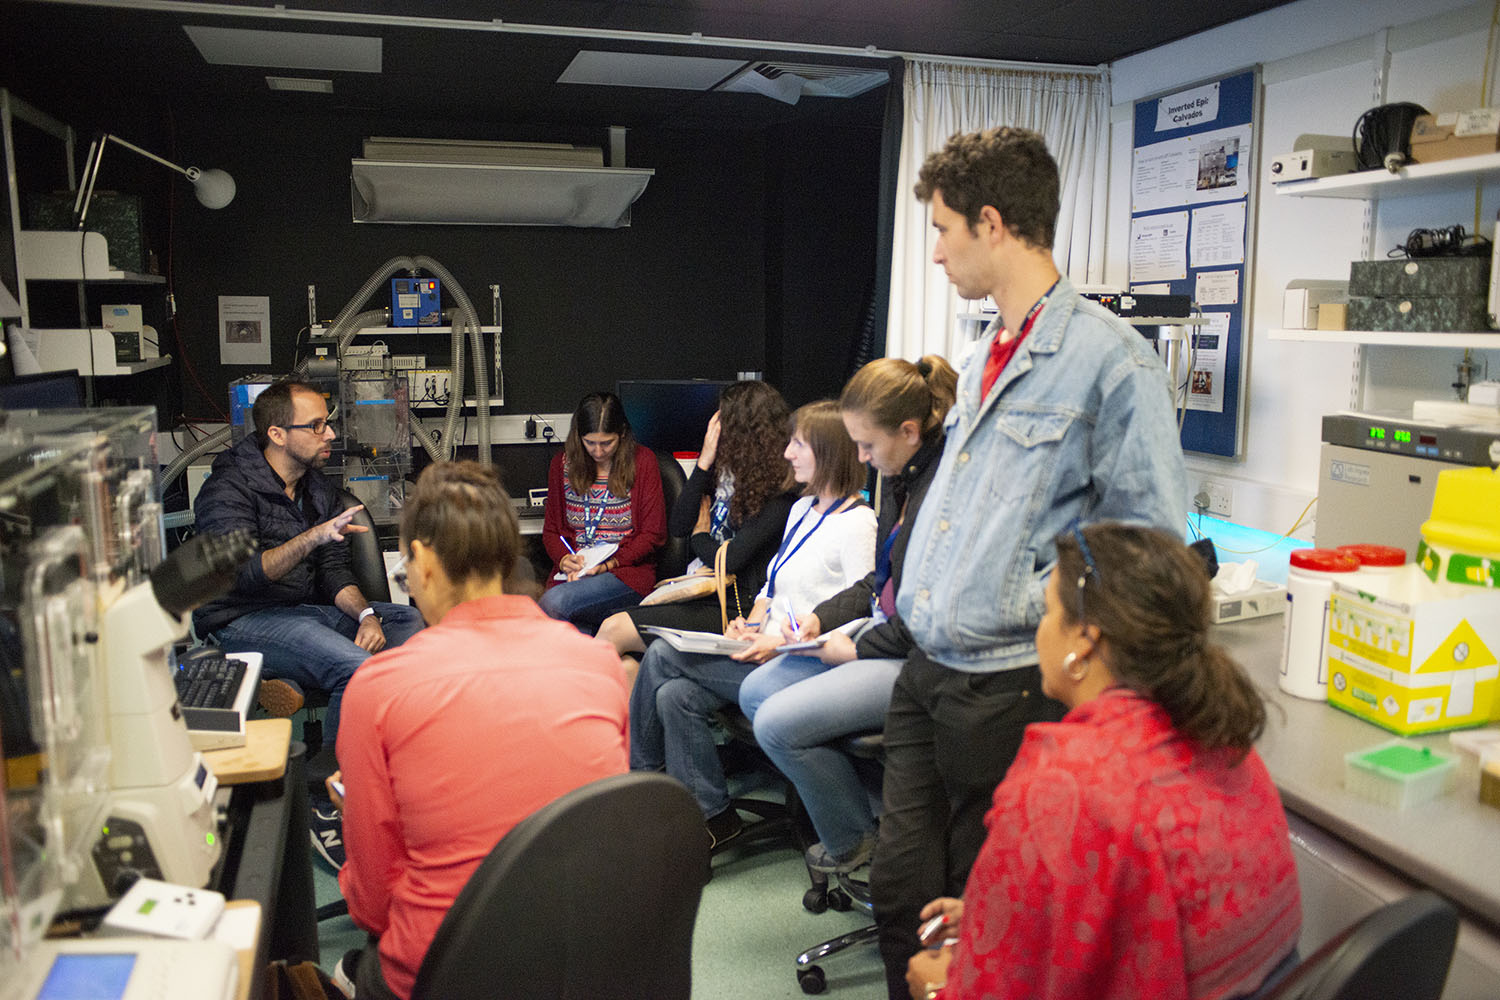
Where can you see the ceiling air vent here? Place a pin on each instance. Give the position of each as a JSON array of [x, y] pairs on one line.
[[789, 82]]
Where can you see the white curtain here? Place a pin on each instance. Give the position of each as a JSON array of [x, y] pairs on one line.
[[1070, 110]]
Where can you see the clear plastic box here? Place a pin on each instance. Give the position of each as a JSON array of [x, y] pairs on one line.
[[1399, 773]]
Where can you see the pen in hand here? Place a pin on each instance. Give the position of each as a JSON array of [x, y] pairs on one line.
[[570, 548]]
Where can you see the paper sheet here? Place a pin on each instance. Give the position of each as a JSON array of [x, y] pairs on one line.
[[593, 555], [1158, 247]]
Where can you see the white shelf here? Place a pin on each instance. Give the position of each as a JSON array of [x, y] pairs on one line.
[[48, 255], [1419, 178], [402, 331], [60, 350], [1390, 338]]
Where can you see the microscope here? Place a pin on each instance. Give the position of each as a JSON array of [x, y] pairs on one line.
[[160, 822]]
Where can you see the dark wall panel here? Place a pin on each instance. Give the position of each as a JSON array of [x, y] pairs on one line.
[[680, 293]]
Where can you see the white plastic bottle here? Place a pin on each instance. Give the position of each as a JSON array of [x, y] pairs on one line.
[[1309, 585]]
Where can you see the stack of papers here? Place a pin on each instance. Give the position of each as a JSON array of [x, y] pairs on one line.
[[593, 555], [697, 642]]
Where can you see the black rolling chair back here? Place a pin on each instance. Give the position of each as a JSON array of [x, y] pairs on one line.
[[1400, 952], [364, 553], [592, 897], [675, 552]]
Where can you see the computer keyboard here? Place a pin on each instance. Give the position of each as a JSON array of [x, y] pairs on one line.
[[216, 691], [209, 681]]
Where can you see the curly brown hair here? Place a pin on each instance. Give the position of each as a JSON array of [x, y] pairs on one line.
[[1006, 168], [752, 437]]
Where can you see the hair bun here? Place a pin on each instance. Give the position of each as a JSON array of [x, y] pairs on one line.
[[924, 368]]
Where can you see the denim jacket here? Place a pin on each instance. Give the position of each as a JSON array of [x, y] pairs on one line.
[[1080, 424]]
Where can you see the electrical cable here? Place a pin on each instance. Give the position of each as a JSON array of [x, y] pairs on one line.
[[1288, 534]]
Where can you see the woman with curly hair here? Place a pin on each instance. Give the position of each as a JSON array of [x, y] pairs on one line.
[[740, 493]]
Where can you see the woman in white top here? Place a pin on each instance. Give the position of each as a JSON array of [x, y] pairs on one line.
[[828, 544]]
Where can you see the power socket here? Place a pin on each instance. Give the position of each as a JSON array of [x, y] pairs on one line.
[[428, 386], [1220, 498]]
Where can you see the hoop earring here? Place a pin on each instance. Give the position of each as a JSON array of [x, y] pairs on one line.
[[1067, 665]]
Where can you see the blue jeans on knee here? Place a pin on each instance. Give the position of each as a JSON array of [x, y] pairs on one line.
[[586, 602], [671, 719], [313, 645], [798, 704]]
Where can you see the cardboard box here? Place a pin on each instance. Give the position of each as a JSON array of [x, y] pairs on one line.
[[1304, 297], [1455, 134], [1333, 316], [1409, 662]]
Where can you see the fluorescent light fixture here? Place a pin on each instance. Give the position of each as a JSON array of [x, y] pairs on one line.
[[787, 82], [286, 49], [640, 69], [300, 84]]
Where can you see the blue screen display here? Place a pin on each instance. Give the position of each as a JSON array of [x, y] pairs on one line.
[[88, 977]]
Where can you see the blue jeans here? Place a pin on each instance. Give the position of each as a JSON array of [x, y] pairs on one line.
[[313, 645], [798, 705], [671, 718], [586, 602]]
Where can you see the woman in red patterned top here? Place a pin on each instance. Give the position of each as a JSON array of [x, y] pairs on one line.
[[1137, 848], [603, 490]]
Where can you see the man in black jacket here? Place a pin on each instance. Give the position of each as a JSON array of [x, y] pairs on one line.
[[296, 602]]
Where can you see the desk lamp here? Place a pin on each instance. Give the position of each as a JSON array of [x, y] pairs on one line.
[[214, 188]]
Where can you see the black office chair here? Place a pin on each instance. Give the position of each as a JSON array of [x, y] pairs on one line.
[[1400, 952], [593, 896], [850, 892], [675, 553]]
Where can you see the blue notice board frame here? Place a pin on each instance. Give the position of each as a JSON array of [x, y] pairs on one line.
[[1229, 103]]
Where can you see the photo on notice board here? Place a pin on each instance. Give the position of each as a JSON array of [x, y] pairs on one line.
[[244, 329]]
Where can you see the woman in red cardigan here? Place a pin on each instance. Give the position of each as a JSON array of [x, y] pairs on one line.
[[1137, 849], [604, 520]]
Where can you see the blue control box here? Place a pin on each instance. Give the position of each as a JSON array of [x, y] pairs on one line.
[[414, 302]]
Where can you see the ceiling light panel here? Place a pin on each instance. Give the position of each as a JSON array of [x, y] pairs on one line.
[[640, 69], [286, 49]]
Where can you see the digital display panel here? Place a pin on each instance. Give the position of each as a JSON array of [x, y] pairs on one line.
[[88, 977]]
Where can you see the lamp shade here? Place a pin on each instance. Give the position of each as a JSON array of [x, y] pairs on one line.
[[214, 188]]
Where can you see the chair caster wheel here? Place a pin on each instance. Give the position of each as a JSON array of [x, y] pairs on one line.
[[812, 980], [815, 900], [839, 900]]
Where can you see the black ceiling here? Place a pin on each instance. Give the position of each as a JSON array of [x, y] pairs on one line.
[[71, 57]]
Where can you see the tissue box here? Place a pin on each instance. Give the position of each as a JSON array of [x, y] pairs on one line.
[[1265, 598], [1409, 662]]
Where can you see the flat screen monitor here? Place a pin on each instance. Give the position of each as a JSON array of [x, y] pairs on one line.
[[43, 391], [669, 414]]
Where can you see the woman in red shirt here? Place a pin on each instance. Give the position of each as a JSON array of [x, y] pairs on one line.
[[1138, 847], [603, 497]]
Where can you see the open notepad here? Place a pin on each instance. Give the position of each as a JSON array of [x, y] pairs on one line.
[[848, 628], [592, 556], [697, 642]]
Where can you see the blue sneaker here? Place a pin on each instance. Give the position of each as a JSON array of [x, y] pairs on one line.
[[327, 833]]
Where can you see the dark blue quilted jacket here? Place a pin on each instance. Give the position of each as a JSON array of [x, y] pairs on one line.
[[243, 491]]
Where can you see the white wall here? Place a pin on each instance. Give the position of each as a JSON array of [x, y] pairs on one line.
[[1321, 63]]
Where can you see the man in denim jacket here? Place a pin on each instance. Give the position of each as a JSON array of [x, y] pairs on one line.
[[1066, 415]]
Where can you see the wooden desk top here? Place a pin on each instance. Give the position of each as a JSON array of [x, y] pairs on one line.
[[262, 758]]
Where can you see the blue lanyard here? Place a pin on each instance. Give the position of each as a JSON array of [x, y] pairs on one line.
[[782, 556], [592, 517], [883, 559]]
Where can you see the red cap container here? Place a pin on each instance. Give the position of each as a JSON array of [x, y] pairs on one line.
[[1375, 555], [1327, 560]]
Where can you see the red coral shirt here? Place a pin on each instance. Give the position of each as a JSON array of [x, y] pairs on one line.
[[452, 738], [1124, 861]]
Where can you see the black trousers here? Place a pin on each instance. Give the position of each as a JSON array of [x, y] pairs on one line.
[[950, 736]]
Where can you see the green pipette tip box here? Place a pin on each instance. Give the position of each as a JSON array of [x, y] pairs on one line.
[[1398, 773]]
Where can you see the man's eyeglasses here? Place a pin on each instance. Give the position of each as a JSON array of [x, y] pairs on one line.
[[398, 574], [316, 426], [1090, 568]]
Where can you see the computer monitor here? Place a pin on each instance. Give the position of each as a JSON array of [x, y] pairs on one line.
[[669, 414], [43, 391]]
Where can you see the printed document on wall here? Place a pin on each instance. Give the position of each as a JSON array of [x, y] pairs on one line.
[[1217, 288], [1193, 170], [244, 329], [1218, 235], [1205, 389], [1158, 247]]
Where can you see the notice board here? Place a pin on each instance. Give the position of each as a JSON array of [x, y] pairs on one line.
[[1193, 168]]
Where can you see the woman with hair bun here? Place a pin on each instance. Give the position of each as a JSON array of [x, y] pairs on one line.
[[1138, 847], [893, 410]]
